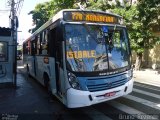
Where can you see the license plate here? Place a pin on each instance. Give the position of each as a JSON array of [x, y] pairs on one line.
[[110, 94]]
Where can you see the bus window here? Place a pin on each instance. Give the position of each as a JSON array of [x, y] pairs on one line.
[[26, 48], [39, 49], [34, 47], [109, 53], [52, 41], [44, 43]]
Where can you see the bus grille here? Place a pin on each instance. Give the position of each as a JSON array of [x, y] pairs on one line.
[[105, 86]]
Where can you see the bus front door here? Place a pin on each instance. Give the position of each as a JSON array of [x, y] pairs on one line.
[[58, 83], [59, 71], [32, 60]]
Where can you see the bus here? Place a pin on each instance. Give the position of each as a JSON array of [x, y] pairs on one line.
[[83, 57]]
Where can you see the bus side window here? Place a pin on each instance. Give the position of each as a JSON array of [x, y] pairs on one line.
[[39, 50], [26, 48], [52, 42], [44, 43], [34, 46]]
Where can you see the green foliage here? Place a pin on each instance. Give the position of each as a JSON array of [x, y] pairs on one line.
[[44, 11], [40, 14], [62, 4], [99, 5], [139, 20]]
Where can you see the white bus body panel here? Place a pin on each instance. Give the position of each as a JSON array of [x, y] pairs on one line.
[[77, 98], [38, 68]]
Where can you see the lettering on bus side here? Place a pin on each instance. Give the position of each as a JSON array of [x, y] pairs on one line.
[[81, 54]]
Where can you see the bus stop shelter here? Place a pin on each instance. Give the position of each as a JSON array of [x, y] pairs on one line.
[[7, 58]]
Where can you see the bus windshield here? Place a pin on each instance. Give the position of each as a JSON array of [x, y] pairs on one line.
[[96, 47]]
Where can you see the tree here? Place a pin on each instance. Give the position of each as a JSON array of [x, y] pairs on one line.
[[40, 15], [44, 11], [147, 16], [130, 15], [139, 20]]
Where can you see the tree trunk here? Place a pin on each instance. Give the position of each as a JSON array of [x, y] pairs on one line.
[[138, 61]]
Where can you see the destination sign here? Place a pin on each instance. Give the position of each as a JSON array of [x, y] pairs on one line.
[[89, 17]]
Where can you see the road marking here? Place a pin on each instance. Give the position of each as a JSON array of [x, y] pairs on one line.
[[125, 108], [94, 114], [144, 86], [131, 111], [147, 93], [154, 83], [143, 101]]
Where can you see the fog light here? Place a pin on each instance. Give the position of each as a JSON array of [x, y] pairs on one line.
[[90, 98], [125, 89]]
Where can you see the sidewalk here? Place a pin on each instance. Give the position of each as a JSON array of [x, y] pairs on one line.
[[147, 76]]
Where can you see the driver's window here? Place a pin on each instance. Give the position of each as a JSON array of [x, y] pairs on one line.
[[123, 43], [117, 40]]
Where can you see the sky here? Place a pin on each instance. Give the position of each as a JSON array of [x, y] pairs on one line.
[[25, 20]]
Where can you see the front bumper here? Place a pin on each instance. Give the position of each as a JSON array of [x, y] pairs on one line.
[[77, 98]]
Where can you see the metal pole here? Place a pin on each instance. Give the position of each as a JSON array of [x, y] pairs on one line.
[[14, 38]]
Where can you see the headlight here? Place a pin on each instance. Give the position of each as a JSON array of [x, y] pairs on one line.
[[130, 74], [73, 81]]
